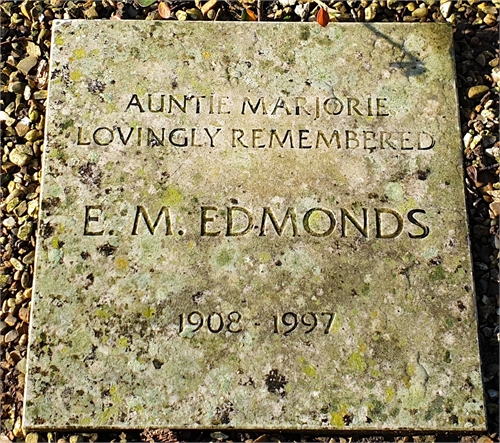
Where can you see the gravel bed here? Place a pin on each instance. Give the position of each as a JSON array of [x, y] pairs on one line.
[[25, 46]]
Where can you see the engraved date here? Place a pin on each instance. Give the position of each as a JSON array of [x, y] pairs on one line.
[[290, 321], [285, 324], [214, 322]]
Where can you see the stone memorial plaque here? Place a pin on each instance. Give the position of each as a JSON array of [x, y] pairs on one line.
[[253, 226]]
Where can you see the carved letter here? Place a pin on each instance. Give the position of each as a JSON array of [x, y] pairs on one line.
[[79, 140], [153, 139], [302, 139], [205, 220], [368, 137], [328, 143], [103, 142], [241, 134], [89, 218], [339, 107], [351, 136], [122, 138], [255, 137], [298, 106], [173, 100], [222, 103], [212, 136], [404, 139], [152, 226], [378, 222], [430, 143], [290, 214], [352, 107], [134, 101], [249, 216], [281, 142], [150, 105], [425, 229], [198, 103], [307, 226], [347, 215], [183, 143], [385, 137], [280, 104], [246, 101], [381, 107], [193, 138]]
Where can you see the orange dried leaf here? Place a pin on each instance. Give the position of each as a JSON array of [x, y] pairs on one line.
[[164, 10], [248, 16], [323, 18]]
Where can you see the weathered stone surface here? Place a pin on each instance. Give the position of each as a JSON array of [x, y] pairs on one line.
[[253, 225]]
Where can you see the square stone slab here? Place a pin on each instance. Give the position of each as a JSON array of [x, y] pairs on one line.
[[253, 225]]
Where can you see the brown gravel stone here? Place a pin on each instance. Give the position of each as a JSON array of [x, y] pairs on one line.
[[477, 91], [11, 336]]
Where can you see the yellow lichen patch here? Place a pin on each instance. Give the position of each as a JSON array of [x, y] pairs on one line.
[[113, 391], [172, 196], [123, 342], [264, 257], [79, 53], [406, 381], [76, 75], [121, 263], [206, 54], [306, 367], [309, 370], [148, 312], [111, 107], [407, 205], [356, 362], [85, 421], [59, 41], [102, 313], [410, 369], [108, 414], [141, 90], [55, 242], [138, 408], [390, 393], [337, 419]]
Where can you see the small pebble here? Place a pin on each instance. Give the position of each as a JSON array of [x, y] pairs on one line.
[[25, 231], [11, 336], [10, 320], [29, 258], [477, 91], [16, 264], [32, 437], [18, 157], [24, 314], [420, 12], [445, 8], [9, 222], [26, 64], [490, 20]]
